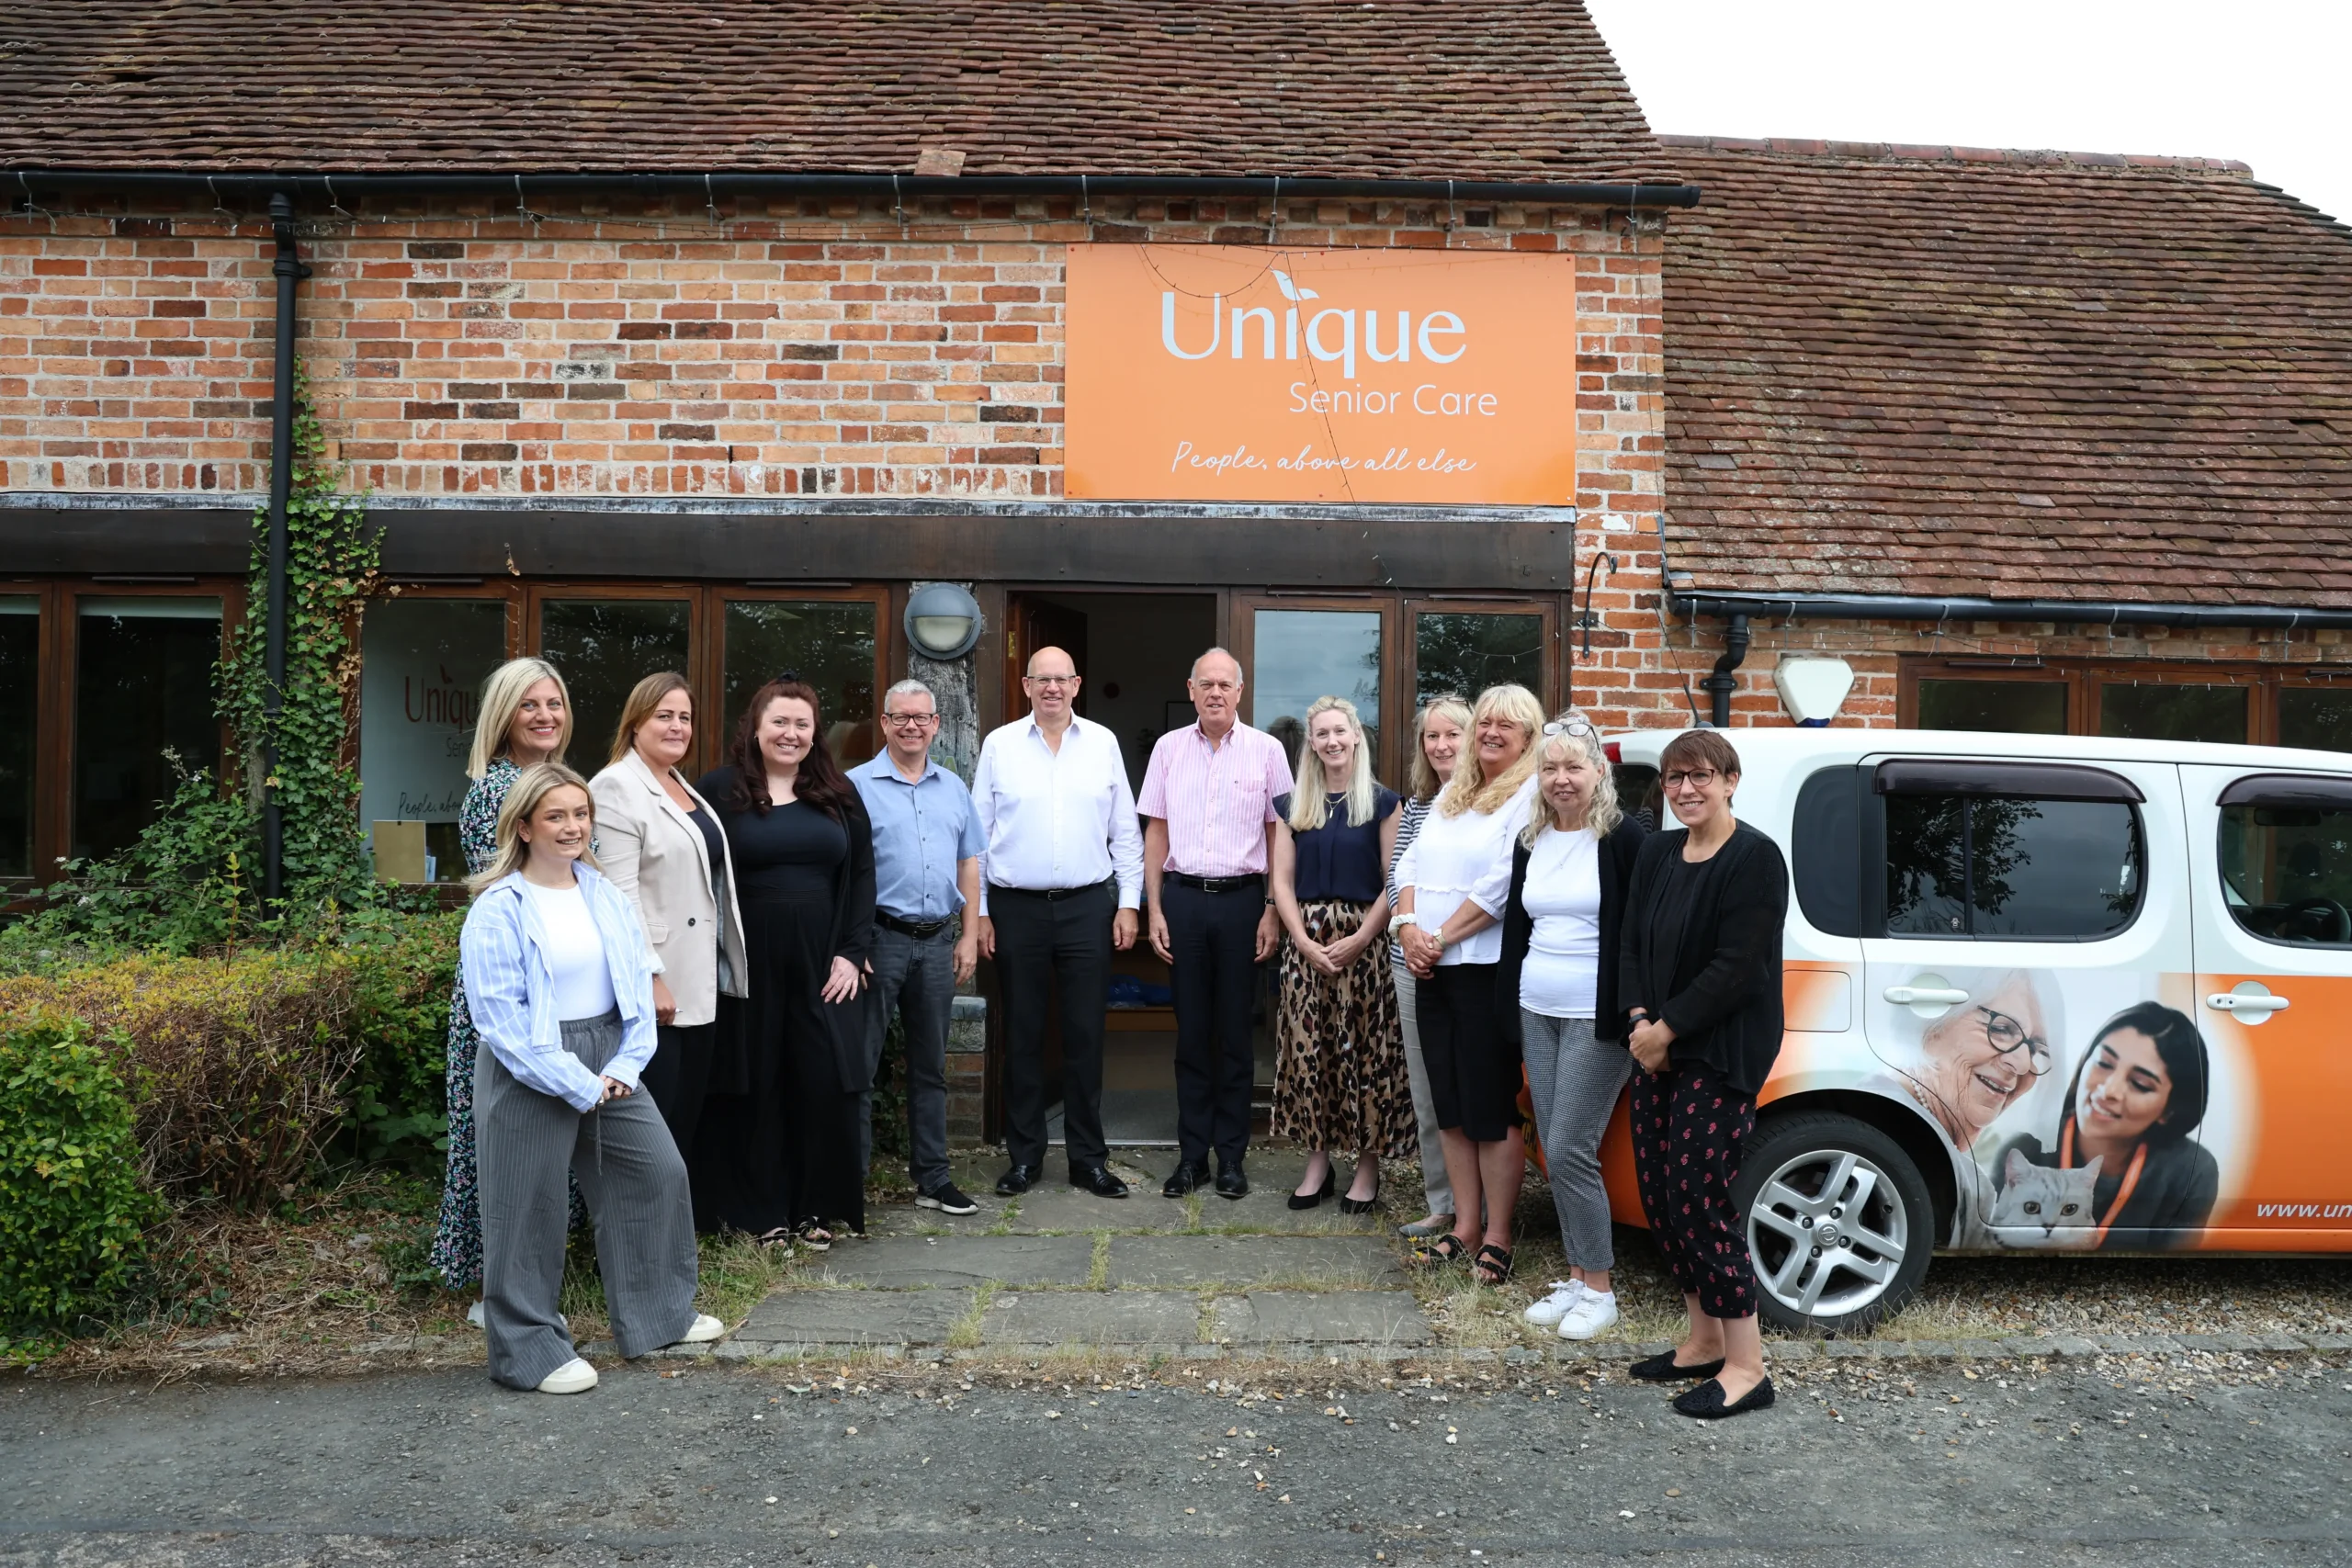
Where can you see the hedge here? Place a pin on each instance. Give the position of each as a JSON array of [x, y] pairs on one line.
[[72, 1206]]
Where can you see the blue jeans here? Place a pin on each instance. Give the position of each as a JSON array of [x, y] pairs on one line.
[[915, 977]]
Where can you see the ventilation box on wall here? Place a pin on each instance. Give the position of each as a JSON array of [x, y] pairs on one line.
[[1812, 688]]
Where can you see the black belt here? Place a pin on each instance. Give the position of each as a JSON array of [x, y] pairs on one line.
[[1217, 883], [920, 929], [1050, 895]]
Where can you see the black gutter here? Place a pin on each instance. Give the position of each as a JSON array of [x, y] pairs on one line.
[[1721, 683], [289, 270], [331, 189], [1694, 603]]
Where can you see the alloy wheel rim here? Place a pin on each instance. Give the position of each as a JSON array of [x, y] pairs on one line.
[[1828, 1231]]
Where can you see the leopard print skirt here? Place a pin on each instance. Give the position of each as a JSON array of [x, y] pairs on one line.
[[1340, 1080]]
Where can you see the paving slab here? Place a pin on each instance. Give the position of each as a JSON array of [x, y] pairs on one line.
[[1315, 1317], [1322, 1261], [906, 1263], [1092, 1317], [855, 1317]]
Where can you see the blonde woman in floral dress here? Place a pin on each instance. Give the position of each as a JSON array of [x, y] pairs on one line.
[[1339, 1079], [525, 719]]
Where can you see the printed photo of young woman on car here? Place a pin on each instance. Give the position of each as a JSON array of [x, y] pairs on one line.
[[2125, 1169]]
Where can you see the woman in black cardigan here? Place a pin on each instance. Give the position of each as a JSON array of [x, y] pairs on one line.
[[1699, 978], [777, 1152], [1557, 1001]]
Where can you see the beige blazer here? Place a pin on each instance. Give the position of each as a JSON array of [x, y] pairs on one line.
[[657, 858]]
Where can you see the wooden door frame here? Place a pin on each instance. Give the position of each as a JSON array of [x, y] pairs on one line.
[[1242, 642]]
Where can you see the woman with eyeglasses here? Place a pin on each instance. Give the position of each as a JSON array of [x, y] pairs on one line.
[[1440, 734], [2138, 1094], [1974, 1062], [1451, 885], [1699, 973], [1558, 1001], [1340, 1061]]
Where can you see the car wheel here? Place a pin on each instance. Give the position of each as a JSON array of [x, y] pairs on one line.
[[1840, 1222]]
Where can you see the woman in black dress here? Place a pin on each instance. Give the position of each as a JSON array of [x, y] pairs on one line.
[[777, 1153]]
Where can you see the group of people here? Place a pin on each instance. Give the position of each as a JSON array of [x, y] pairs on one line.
[[683, 987]]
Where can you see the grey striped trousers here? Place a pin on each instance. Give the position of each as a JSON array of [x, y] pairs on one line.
[[635, 1184]]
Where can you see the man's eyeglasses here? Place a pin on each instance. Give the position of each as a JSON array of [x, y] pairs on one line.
[[1697, 778], [1575, 726], [1051, 680], [2005, 1034], [910, 720]]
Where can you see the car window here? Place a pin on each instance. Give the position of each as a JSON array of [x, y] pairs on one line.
[[2011, 867], [1826, 851], [2287, 859]]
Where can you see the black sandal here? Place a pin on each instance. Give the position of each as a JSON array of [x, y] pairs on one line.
[[773, 1240], [1493, 1264], [1442, 1253], [814, 1237]]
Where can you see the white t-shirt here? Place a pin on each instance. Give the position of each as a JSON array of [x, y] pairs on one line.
[[575, 951], [1464, 860], [1562, 898]]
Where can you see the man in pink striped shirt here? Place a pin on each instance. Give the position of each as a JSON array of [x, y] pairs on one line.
[[1208, 805]]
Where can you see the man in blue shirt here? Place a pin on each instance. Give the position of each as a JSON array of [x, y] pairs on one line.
[[927, 845]]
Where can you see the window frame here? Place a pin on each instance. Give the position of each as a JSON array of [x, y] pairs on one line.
[[709, 670], [1388, 606], [2085, 679], [1873, 890]]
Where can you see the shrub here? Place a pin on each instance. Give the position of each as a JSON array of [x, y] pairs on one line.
[[71, 1207], [402, 967], [236, 1066]]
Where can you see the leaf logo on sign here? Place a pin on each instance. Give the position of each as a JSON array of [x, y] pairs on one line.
[[1291, 291]]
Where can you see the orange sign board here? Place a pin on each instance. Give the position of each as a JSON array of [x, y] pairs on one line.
[[1250, 373]]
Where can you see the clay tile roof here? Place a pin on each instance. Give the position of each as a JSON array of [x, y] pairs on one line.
[[1951, 371], [1515, 90]]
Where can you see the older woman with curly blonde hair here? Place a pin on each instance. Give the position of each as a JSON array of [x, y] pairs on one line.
[[1452, 885]]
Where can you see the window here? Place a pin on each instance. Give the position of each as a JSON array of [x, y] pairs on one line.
[[2317, 716], [2009, 707], [2156, 710], [2287, 858], [420, 683], [19, 692], [2009, 866], [1301, 655], [1826, 844], [1466, 653], [827, 643], [143, 697], [604, 647]]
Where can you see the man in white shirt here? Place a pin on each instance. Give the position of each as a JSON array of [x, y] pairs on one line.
[[1061, 880]]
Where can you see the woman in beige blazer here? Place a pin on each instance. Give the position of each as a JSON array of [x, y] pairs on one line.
[[662, 845]]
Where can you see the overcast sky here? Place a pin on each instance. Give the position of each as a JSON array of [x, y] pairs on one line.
[[2252, 80]]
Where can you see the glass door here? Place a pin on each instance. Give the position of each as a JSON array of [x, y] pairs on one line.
[[836, 643], [144, 709], [604, 645], [1295, 650]]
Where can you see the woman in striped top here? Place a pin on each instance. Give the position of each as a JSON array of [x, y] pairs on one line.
[[1438, 736]]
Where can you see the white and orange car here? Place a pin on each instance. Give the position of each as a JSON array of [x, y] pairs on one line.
[[2043, 992]]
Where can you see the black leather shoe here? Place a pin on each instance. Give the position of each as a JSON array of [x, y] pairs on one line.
[[1662, 1368], [1098, 1181], [1230, 1182], [1706, 1403], [1186, 1177], [1016, 1179]]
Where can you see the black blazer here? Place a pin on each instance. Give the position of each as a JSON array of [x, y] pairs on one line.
[[852, 938], [1718, 987], [1618, 852]]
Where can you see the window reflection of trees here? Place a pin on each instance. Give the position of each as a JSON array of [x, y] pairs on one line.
[[2004, 866]]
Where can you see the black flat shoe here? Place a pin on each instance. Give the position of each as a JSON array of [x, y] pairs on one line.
[[1186, 1177], [1315, 1198], [1231, 1183], [1705, 1402], [1098, 1181], [1016, 1179], [1661, 1368]]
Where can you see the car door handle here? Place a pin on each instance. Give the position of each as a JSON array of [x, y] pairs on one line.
[[2246, 1006], [1925, 995]]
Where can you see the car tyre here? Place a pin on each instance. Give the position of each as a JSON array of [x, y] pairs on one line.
[[1839, 1221]]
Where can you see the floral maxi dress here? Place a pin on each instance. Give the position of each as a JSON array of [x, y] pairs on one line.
[[457, 1244]]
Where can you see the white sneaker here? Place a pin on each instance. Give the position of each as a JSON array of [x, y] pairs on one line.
[[1592, 1313], [473, 1315], [574, 1376], [706, 1328], [1564, 1296]]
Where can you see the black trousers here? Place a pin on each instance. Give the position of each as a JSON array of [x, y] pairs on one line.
[[678, 1076], [1039, 942], [1215, 939]]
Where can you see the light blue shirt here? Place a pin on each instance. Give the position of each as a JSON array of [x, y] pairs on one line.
[[921, 830], [511, 988]]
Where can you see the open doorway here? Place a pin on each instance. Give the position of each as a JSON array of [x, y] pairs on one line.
[[1133, 651]]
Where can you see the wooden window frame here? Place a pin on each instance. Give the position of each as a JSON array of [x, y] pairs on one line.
[[1548, 606], [709, 673], [2085, 677], [1395, 711]]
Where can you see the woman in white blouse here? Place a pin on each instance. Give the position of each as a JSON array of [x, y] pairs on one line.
[[1451, 886]]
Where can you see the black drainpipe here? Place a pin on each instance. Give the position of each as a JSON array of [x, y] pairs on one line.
[[1720, 685], [289, 270]]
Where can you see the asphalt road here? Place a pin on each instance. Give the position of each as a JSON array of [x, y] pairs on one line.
[[728, 1466]]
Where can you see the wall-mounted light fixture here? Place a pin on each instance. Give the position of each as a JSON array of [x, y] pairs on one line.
[[942, 620]]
